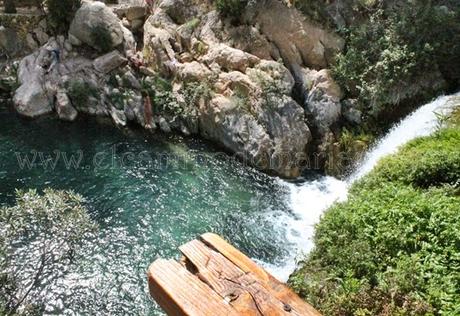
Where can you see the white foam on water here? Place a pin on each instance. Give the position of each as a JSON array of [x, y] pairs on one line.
[[310, 199]]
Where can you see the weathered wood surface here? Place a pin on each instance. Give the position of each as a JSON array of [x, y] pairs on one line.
[[214, 279]]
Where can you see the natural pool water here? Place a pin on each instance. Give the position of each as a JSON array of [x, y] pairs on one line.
[[149, 195]]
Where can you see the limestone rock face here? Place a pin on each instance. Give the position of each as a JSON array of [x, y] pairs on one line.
[[229, 58], [31, 98], [235, 85], [248, 108], [323, 97], [299, 41], [91, 15], [76, 84]]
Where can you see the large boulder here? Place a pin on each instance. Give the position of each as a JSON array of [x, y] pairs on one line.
[[108, 62], [229, 58], [31, 98], [274, 139], [92, 15]]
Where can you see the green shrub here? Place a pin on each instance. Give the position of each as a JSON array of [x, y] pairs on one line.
[[45, 232], [315, 10], [9, 6], [232, 9], [61, 14], [396, 47], [102, 38], [426, 162], [394, 247]]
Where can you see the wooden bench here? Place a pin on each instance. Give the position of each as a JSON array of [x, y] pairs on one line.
[[215, 279]]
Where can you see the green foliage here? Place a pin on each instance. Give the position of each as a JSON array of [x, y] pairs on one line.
[[193, 23], [160, 92], [232, 9], [315, 10], [102, 38], [61, 14], [395, 48], [79, 92], [431, 161], [9, 6], [350, 148], [394, 247], [41, 237]]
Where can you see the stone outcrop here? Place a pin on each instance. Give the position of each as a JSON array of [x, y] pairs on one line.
[[299, 41], [108, 62], [31, 98], [231, 84], [92, 15], [322, 100]]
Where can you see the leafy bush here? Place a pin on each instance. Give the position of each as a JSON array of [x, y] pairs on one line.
[[397, 47], [431, 161], [9, 6], [41, 237], [231, 8], [394, 247], [61, 14], [102, 38], [315, 10]]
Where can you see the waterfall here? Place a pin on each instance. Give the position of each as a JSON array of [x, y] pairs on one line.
[[310, 199]]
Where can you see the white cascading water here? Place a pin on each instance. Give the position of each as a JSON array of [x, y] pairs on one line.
[[309, 200]]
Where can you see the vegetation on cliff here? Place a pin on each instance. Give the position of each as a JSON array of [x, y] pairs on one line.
[[61, 13], [399, 52], [393, 247]]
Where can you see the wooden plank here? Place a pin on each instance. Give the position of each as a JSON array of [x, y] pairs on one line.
[[280, 290], [180, 293], [234, 255], [248, 294]]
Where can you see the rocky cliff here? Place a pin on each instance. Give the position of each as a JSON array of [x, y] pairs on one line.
[[247, 87]]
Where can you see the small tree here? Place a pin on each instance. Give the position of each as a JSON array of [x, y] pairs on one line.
[[61, 13], [9, 6], [40, 237]]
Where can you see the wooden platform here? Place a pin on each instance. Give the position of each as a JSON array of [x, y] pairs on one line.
[[215, 279]]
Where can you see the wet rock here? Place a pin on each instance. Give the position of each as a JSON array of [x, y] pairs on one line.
[[164, 125], [136, 25], [118, 117], [64, 108]]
